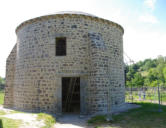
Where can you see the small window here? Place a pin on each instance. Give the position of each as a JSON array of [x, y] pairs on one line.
[[60, 46]]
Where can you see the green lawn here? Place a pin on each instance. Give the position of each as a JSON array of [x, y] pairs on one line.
[[10, 123], [1, 97], [145, 117]]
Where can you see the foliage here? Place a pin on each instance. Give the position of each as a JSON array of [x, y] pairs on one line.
[[49, 120], [149, 72], [147, 116], [2, 83], [138, 80]]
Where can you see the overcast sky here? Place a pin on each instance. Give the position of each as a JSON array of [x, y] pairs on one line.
[[144, 22]]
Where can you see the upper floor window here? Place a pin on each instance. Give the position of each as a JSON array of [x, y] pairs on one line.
[[60, 46]]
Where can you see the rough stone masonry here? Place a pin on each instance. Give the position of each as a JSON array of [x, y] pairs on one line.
[[93, 52]]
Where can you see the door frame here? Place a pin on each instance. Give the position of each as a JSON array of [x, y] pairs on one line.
[[83, 85]]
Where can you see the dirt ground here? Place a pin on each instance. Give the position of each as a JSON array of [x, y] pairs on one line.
[[65, 121], [72, 121], [29, 120]]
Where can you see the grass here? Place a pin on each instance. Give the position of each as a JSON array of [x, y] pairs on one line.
[[99, 119], [49, 120], [145, 117], [10, 123], [6, 122], [1, 97]]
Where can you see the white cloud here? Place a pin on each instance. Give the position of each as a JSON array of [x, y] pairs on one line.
[[150, 3], [148, 18]]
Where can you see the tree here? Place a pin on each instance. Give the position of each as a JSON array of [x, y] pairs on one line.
[[164, 72], [2, 83], [152, 75], [148, 72], [138, 80]]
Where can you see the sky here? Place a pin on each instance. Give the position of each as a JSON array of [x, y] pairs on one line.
[[144, 22]]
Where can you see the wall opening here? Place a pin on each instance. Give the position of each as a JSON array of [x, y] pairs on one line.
[[70, 94], [60, 46]]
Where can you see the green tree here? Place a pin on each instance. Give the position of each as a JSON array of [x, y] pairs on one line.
[[152, 75], [2, 83], [164, 72], [138, 80], [149, 72]]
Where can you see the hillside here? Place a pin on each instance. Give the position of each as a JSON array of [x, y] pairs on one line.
[[149, 72]]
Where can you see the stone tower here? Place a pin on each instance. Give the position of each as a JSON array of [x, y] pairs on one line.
[[66, 62]]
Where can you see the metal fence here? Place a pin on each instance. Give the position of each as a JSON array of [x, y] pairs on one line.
[[146, 94]]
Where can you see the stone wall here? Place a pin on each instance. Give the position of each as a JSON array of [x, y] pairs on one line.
[[94, 53], [10, 73]]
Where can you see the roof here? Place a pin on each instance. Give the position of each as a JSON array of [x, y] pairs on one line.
[[74, 12], [68, 13]]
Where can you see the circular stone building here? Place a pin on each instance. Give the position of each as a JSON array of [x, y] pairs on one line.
[[66, 62]]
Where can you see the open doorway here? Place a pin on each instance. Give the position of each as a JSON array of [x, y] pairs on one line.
[[71, 94]]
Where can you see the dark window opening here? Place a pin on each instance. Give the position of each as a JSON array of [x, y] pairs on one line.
[[71, 94], [60, 46]]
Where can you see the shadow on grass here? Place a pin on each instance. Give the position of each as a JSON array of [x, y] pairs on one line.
[[146, 116], [1, 125]]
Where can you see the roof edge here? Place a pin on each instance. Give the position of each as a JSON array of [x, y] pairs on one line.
[[46, 17]]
